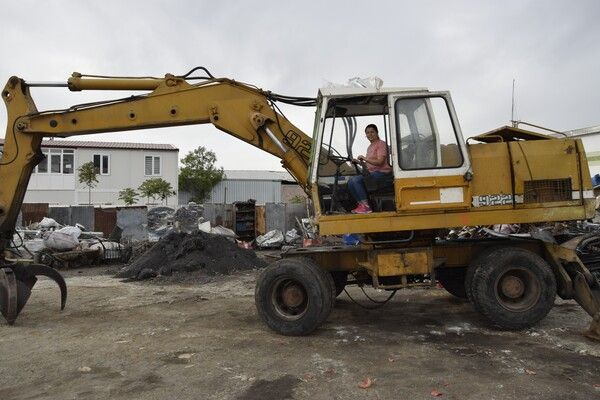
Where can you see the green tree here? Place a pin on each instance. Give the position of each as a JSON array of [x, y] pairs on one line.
[[88, 175], [128, 195], [164, 190], [156, 187], [198, 175]]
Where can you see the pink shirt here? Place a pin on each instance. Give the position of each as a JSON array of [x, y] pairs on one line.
[[377, 149]]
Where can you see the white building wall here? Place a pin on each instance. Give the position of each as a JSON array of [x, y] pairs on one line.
[[591, 144], [127, 169]]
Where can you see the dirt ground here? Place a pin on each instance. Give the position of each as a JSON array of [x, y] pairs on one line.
[[190, 340]]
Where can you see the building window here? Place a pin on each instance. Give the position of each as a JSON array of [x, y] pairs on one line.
[[151, 165], [68, 161], [56, 161], [102, 164]]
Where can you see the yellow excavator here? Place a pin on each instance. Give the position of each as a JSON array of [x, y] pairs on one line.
[[438, 181]]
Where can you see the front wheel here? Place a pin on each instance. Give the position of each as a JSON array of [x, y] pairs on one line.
[[293, 297], [514, 288]]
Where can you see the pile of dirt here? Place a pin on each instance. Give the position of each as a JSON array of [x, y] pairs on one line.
[[140, 248], [184, 252]]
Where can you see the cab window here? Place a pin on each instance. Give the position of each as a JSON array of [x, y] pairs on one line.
[[426, 136]]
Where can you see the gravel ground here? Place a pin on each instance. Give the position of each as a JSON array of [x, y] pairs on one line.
[[200, 338]]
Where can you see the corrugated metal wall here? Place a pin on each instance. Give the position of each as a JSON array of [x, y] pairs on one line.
[[231, 191]]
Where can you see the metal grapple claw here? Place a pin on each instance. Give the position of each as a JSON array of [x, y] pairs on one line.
[[16, 282], [8, 295], [588, 296]]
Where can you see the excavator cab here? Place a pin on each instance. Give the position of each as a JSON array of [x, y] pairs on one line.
[[426, 150], [343, 140]]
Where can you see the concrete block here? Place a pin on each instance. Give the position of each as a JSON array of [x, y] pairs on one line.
[[133, 222], [291, 212], [275, 216]]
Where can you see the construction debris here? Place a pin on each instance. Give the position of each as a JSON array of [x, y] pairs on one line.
[[66, 238], [163, 220], [188, 217], [559, 231], [48, 242], [184, 252], [160, 222], [292, 237], [271, 240], [588, 248]]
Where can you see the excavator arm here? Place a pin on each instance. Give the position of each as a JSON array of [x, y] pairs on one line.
[[241, 110]]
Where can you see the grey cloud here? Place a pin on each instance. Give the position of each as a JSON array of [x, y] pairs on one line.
[[474, 49]]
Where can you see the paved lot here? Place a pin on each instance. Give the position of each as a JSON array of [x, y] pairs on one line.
[[189, 340]]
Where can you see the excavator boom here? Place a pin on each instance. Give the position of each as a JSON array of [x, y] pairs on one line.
[[238, 109], [241, 110]]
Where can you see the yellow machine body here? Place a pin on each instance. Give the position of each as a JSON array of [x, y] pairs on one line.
[[439, 180]]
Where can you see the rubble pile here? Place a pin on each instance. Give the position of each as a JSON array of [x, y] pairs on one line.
[[556, 231], [185, 252], [163, 220], [160, 221], [58, 246], [139, 248], [188, 217]]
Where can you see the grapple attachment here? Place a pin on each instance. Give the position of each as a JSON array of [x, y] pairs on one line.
[[16, 282]]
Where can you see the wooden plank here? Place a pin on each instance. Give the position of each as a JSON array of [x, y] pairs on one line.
[[260, 220]]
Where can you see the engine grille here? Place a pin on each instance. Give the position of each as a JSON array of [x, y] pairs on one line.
[[548, 190]]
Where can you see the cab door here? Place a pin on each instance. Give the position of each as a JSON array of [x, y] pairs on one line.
[[432, 168]]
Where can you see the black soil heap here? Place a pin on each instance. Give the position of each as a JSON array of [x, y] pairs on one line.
[[183, 252]]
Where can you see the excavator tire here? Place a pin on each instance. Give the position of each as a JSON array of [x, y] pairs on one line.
[[321, 274], [294, 296], [514, 288], [470, 273], [453, 280]]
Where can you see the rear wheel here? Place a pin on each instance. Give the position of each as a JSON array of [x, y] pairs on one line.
[[453, 280], [514, 288], [294, 296], [470, 273]]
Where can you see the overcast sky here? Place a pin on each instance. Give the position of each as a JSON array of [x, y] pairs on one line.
[[472, 48]]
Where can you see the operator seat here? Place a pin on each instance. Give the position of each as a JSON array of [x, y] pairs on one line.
[[381, 192]]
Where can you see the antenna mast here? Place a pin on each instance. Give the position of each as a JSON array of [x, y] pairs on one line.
[[512, 112]]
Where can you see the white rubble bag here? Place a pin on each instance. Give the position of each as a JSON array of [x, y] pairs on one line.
[[221, 230], [47, 223], [34, 245], [71, 230], [60, 241], [204, 226], [271, 239], [371, 82]]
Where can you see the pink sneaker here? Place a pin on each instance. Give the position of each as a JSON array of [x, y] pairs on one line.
[[362, 209]]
